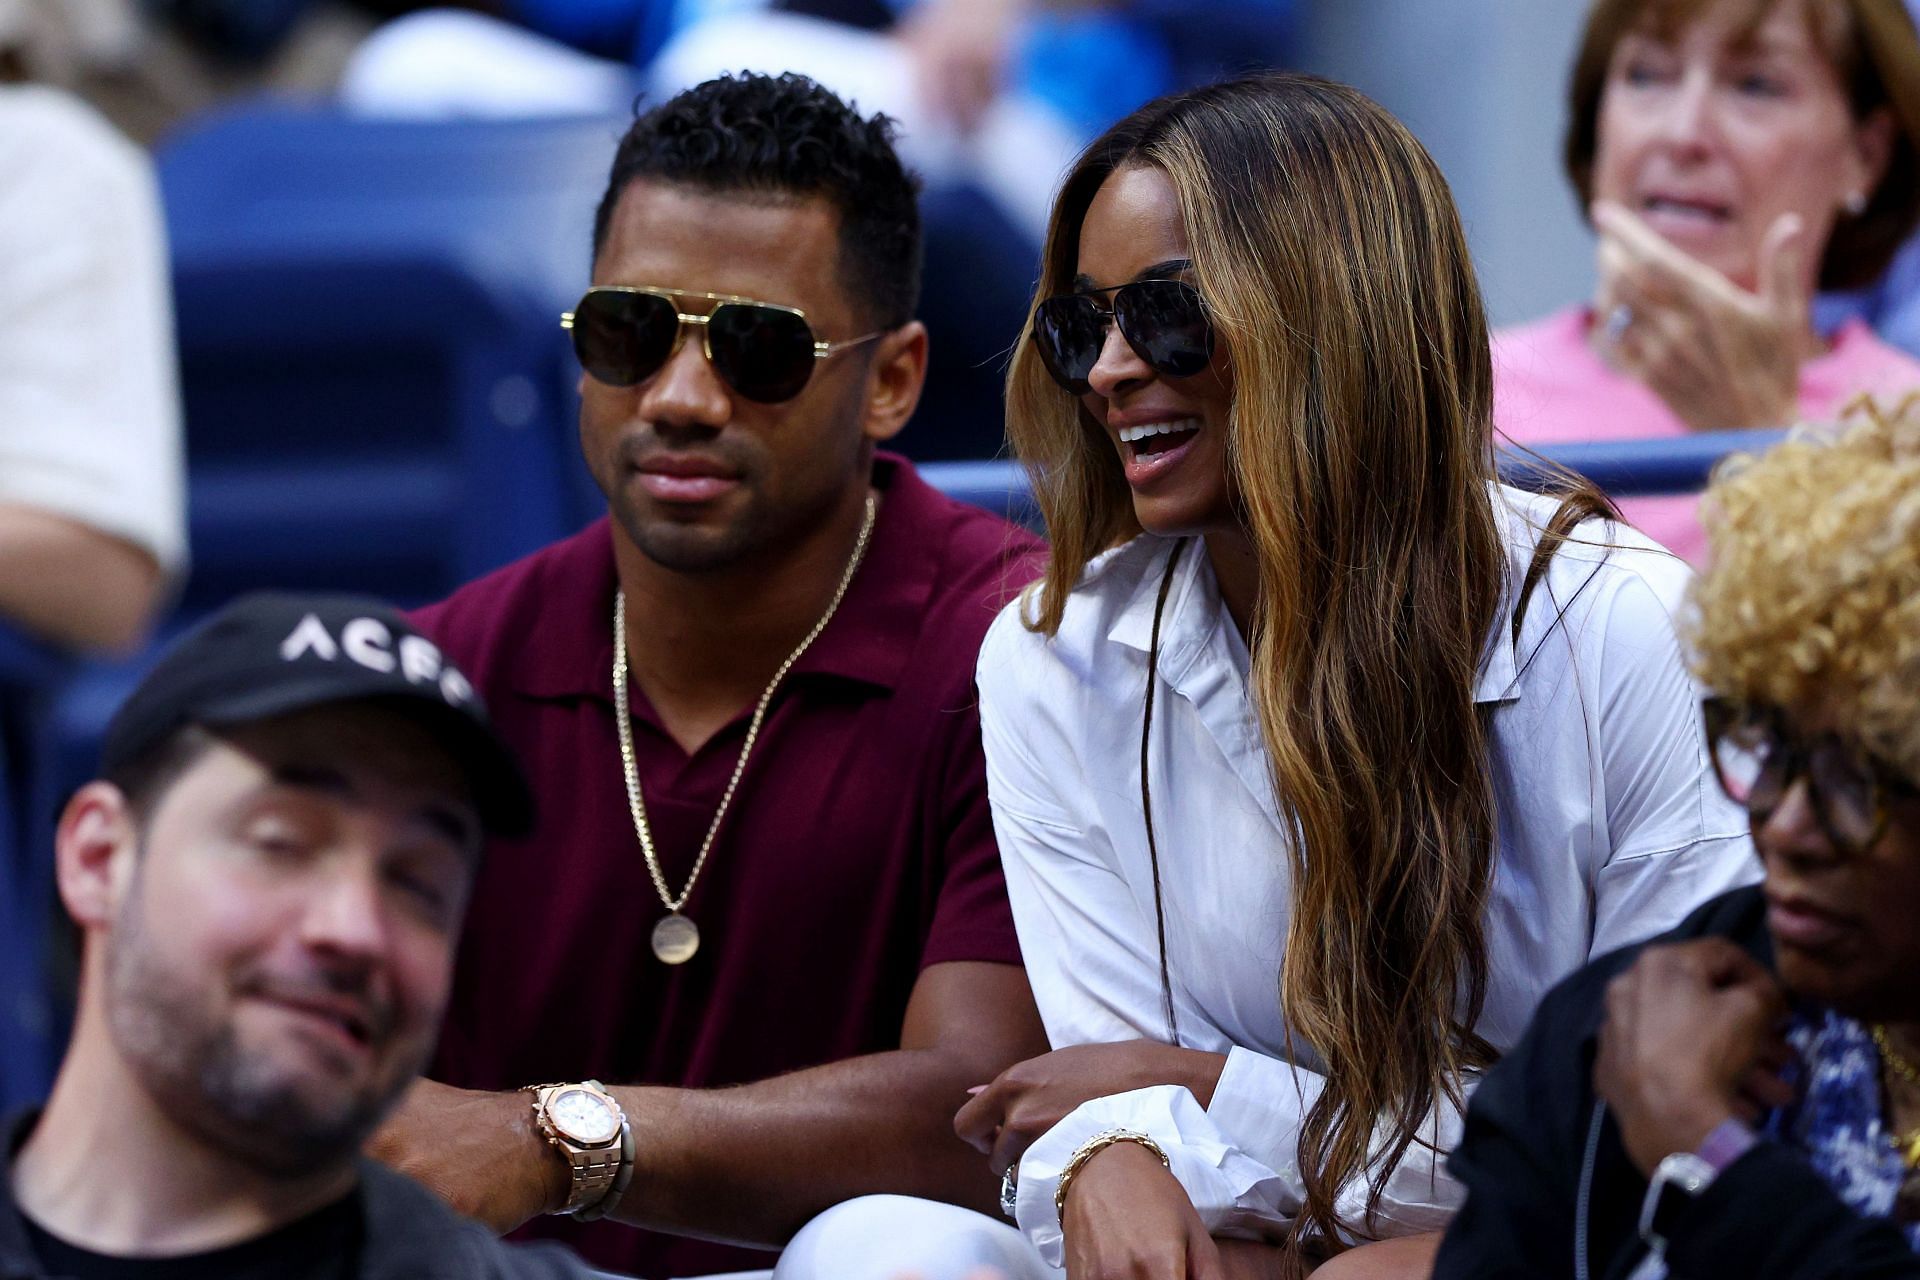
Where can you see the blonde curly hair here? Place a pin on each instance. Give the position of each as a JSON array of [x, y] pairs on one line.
[[1811, 601]]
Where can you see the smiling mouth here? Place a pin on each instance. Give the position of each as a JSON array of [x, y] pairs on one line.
[[1153, 438], [1702, 211], [356, 1029]]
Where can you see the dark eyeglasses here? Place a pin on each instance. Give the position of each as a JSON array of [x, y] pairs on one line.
[[1758, 759], [762, 350], [1164, 321]]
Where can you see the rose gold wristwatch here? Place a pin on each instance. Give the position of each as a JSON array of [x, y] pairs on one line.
[[584, 1123]]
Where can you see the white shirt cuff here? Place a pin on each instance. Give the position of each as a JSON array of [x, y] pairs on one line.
[[1233, 1194]]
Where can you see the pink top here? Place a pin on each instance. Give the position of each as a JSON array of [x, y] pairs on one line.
[[1549, 387]]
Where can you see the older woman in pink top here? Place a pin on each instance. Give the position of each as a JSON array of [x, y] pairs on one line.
[[1734, 156]]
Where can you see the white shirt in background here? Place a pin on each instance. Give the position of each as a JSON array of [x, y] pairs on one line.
[[89, 394], [1611, 828]]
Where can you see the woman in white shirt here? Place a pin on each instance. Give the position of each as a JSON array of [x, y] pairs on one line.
[[1318, 755]]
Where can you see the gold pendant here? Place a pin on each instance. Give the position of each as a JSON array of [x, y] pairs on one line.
[[675, 939]]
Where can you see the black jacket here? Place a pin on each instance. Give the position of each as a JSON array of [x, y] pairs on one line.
[[1551, 1192], [408, 1234]]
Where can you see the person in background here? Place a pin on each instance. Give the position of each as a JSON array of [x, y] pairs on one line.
[[92, 515], [1733, 155], [993, 98], [269, 877], [1319, 754], [764, 903], [1891, 305], [1742, 1096]]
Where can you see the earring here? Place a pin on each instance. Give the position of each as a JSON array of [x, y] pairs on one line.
[[1855, 204]]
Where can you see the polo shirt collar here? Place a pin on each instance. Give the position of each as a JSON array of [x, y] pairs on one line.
[[871, 637]]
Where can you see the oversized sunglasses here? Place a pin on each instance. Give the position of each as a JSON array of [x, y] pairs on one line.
[[764, 351], [1164, 321], [1758, 759]]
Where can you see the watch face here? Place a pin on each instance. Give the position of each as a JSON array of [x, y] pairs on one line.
[[583, 1117]]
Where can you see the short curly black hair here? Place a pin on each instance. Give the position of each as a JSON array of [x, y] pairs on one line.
[[786, 135]]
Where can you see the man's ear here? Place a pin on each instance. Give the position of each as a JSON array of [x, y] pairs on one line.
[[94, 852], [893, 386]]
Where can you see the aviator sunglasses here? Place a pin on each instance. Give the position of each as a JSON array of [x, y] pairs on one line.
[[1758, 759], [1164, 321], [764, 351]]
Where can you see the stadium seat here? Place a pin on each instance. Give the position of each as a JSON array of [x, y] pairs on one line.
[[379, 396], [378, 393], [32, 1021]]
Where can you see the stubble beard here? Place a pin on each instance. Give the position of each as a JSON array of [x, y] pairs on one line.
[[233, 1100]]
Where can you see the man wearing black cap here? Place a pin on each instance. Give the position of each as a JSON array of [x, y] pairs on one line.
[[269, 879]]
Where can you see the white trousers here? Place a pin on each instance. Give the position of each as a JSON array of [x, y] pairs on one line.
[[899, 1237]]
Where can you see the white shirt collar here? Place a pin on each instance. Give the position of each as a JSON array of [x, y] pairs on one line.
[[1194, 610]]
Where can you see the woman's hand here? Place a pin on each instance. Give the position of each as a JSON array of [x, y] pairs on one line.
[[1691, 1039], [1029, 1098], [1127, 1218], [1719, 356]]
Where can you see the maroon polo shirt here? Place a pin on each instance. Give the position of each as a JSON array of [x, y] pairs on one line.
[[858, 850]]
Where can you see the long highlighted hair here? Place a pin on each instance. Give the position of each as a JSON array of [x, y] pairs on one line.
[[1332, 262]]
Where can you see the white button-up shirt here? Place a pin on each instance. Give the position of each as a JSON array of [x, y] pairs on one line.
[[1611, 828]]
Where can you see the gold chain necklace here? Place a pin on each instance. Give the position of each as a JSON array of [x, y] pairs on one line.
[[676, 938], [1907, 1144]]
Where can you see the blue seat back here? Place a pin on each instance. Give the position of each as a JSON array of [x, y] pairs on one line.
[[378, 393], [32, 1010]]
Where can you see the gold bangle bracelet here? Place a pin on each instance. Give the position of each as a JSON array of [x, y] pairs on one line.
[[1092, 1147]]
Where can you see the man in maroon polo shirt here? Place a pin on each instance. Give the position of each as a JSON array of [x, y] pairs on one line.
[[778, 871]]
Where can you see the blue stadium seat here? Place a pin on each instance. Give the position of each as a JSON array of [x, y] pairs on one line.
[[378, 393], [32, 1019], [1624, 468], [379, 398]]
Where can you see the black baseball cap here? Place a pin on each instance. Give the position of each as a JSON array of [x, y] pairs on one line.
[[270, 653]]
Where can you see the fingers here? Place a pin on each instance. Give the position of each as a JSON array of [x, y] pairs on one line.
[[1203, 1259], [1783, 267], [1704, 962], [1629, 246], [1009, 1144], [980, 1118]]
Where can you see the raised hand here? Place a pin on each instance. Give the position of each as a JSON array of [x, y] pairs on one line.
[[1721, 357], [1692, 1038], [1029, 1098]]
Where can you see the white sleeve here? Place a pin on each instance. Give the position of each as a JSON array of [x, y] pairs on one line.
[[1092, 959], [88, 390], [1674, 839], [1092, 956], [1237, 1160]]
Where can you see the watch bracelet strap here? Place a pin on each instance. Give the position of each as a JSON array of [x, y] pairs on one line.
[[622, 1179], [1725, 1143], [593, 1178], [594, 1174], [1729, 1140]]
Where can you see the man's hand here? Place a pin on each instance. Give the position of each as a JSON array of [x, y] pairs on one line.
[[1691, 1039], [1127, 1218], [478, 1151], [1719, 356], [1030, 1097]]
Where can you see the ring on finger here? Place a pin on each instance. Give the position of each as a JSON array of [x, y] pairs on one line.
[[1618, 321]]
